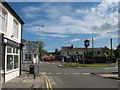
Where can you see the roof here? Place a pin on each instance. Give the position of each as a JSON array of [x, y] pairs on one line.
[[13, 12], [67, 48]]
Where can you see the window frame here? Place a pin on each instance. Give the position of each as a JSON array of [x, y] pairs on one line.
[[17, 29], [3, 30], [13, 55]]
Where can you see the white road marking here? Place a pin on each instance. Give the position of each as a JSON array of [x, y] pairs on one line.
[[85, 73], [49, 73], [76, 73], [58, 73], [67, 73]]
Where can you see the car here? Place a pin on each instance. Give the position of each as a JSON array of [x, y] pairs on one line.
[[52, 58], [46, 58]]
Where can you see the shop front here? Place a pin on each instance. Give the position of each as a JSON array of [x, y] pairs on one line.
[[11, 59]]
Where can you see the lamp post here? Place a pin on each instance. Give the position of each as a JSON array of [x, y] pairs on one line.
[[86, 44], [38, 47]]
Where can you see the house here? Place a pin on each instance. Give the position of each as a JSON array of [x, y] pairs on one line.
[[68, 51], [30, 52], [10, 42]]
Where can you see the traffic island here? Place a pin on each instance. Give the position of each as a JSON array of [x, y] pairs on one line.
[[77, 65], [111, 75]]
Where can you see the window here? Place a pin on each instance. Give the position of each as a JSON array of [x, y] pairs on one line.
[[15, 61], [77, 53], [3, 15], [12, 58], [9, 49], [68, 53], [15, 29], [28, 57], [9, 62]]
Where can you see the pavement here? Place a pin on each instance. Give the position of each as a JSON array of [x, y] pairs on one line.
[[24, 81]]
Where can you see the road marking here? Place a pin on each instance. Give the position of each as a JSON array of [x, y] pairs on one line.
[[49, 73], [58, 73], [106, 68], [76, 73], [48, 84], [67, 73], [85, 73]]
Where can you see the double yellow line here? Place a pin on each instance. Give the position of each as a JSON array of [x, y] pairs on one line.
[[48, 84]]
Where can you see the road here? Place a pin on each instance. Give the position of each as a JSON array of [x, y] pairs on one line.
[[77, 77]]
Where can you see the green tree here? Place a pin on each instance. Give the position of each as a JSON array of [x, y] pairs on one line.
[[107, 51], [41, 45], [56, 51]]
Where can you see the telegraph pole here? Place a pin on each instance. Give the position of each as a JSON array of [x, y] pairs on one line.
[[93, 47], [111, 49]]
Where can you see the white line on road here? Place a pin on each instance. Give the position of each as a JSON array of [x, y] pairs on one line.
[[49, 73], [85, 73], [67, 73], [76, 73], [58, 73]]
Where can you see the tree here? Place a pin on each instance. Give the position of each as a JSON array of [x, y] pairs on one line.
[[56, 51], [108, 51], [41, 45]]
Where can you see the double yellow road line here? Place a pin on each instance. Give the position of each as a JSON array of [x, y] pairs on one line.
[[48, 84]]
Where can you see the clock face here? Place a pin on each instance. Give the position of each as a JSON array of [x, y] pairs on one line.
[[87, 43]]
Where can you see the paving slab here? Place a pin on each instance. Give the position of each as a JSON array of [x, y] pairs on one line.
[[24, 81]]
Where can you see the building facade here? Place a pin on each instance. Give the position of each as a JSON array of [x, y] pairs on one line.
[[30, 52], [69, 52], [10, 42]]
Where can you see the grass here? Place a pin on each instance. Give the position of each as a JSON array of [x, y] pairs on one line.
[[85, 65]]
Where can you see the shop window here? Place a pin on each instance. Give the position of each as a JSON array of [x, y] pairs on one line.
[[9, 62], [15, 61], [12, 58], [14, 50], [9, 49]]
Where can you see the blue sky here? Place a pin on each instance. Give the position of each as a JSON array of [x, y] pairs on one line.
[[69, 23]]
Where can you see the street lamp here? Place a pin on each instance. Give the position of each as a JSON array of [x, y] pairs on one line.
[[86, 44], [38, 46]]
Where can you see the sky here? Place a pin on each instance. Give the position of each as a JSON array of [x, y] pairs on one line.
[[69, 23]]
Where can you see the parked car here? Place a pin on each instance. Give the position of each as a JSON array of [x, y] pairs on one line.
[[46, 58], [52, 58]]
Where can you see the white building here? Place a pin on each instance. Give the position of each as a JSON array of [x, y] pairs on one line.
[[30, 52], [10, 43]]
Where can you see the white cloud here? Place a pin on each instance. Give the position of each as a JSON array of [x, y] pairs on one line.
[[31, 12], [74, 40], [53, 35], [62, 19]]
